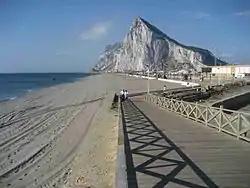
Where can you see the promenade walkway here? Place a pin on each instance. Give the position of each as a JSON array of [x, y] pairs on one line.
[[166, 150]]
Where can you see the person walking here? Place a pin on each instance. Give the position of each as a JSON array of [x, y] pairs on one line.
[[164, 88], [122, 92], [126, 94]]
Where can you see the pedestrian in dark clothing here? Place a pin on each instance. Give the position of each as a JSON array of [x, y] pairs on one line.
[[122, 95]]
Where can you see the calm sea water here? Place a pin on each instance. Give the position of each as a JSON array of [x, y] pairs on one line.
[[16, 85]]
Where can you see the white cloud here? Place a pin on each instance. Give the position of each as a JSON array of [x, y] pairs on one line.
[[197, 15], [96, 31], [245, 13], [202, 16]]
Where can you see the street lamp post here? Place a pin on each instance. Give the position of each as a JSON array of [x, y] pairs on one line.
[[215, 62], [149, 65], [148, 81], [220, 70], [218, 73], [221, 73]]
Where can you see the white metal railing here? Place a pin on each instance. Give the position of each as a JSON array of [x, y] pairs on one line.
[[231, 122]]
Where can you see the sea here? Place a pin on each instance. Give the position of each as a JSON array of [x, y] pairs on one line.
[[16, 85]]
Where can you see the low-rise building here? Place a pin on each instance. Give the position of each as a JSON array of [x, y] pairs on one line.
[[227, 71]]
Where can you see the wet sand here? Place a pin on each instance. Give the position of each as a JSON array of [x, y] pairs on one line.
[[65, 135]]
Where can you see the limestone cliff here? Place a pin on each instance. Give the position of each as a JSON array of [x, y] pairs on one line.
[[145, 45]]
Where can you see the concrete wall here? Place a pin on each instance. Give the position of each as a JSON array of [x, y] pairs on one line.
[[184, 83], [235, 102]]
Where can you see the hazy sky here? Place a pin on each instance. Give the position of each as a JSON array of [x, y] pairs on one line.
[[69, 35]]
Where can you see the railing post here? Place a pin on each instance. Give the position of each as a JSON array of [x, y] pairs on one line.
[[171, 105], [206, 116], [165, 103], [239, 125], [196, 111], [221, 116], [162, 101], [174, 105], [181, 107], [168, 103], [188, 109]]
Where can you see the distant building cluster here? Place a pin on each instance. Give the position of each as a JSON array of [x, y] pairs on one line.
[[237, 71]]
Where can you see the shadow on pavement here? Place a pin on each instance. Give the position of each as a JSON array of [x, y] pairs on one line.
[[143, 139]]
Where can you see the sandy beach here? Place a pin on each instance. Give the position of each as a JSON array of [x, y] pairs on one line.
[[65, 135]]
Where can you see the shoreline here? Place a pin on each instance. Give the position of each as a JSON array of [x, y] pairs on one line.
[[25, 91]]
